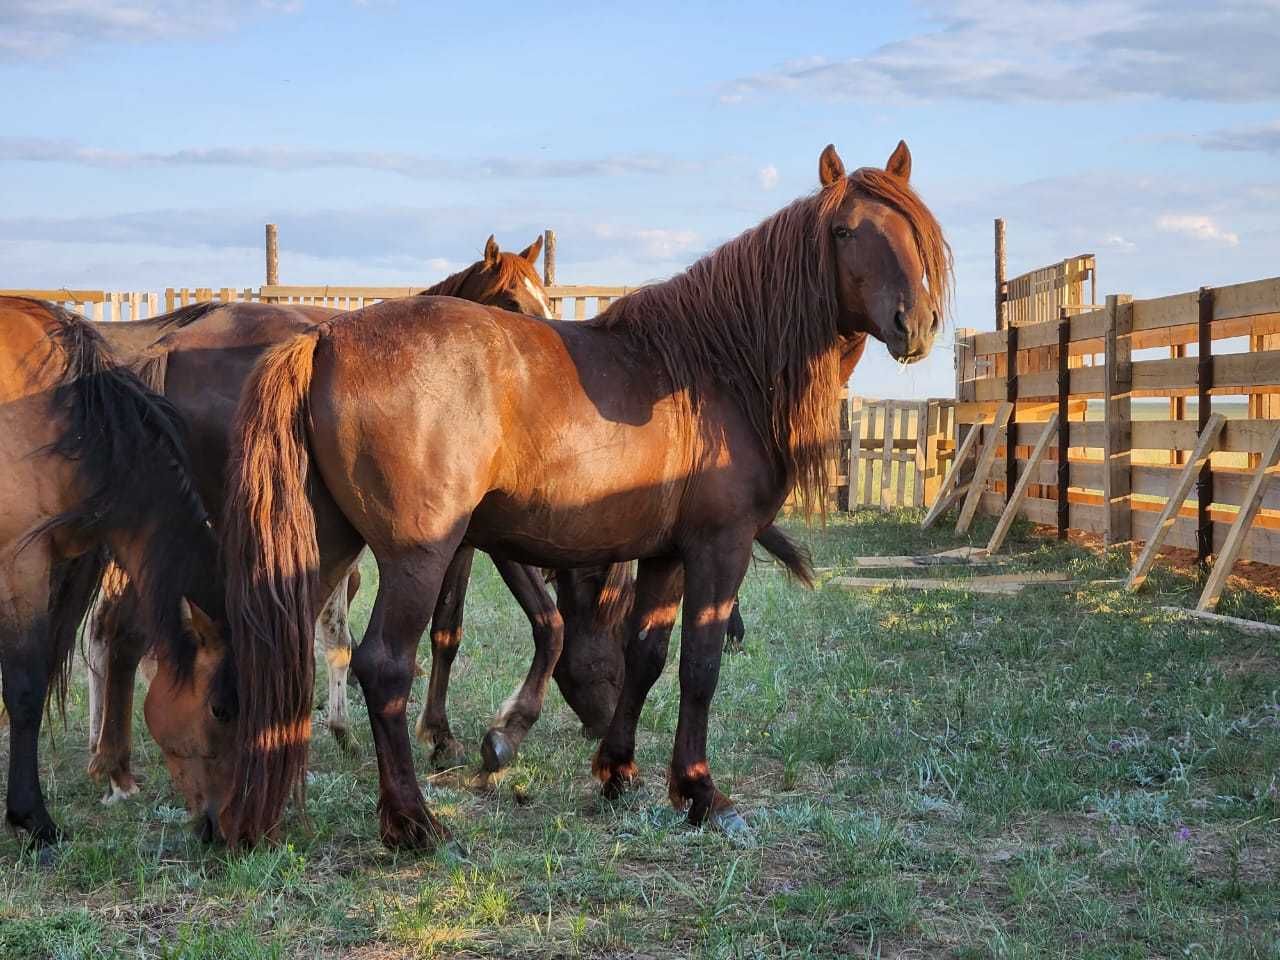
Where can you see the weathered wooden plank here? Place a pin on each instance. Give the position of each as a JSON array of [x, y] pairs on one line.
[[1239, 530], [950, 484], [1252, 627], [1187, 476], [1024, 482], [995, 436]]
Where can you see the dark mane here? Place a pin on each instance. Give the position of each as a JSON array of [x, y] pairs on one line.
[[466, 283], [182, 317], [129, 448], [757, 317]]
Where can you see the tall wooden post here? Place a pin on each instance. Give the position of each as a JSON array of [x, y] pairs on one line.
[[273, 255], [1117, 428], [1204, 403], [1001, 292], [549, 258]]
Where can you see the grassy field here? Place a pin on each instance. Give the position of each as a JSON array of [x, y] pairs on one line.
[[928, 774]]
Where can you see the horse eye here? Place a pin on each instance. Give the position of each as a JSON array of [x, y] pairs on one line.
[[220, 712], [842, 232]]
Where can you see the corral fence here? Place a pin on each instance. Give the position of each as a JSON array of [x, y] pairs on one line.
[[572, 302], [1135, 385], [892, 453]]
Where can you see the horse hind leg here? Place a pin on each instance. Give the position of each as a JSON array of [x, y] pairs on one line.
[[522, 709], [384, 664], [446, 636]]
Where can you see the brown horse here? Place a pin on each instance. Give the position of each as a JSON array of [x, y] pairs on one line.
[[92, 460], [671, 429], [200, 356]]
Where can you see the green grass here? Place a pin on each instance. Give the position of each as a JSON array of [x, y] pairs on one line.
[[928, 774]]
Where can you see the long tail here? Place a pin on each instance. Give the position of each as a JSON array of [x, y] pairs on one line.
[[272, 558], [792, 555]]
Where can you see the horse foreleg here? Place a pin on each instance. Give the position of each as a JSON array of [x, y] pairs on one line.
[[25, 668], [736, 631], [522, 709], [116, 646], [446, 635], [333, 630], [659, 586], [713, 573]]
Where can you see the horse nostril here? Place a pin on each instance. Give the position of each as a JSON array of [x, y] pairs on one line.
[[900, 321]]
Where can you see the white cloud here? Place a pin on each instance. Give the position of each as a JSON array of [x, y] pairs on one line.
[[768, 177], [1054, 50], [1198, 226], [419, 166], [1113, 241], [46, 28], [650, 244], [1263, 138]]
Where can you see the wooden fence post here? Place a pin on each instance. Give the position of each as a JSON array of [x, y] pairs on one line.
[[855, 449], [273, 255], [1001, 292], [1117, 428], [1064, 425], [886, 455], [549, 257], [1204, 405]]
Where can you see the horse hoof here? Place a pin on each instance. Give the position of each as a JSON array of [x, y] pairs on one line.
[[497, 751], [729, 822], [448, 754], [453, 853], [48, 855], [119, 791], [346, 742]]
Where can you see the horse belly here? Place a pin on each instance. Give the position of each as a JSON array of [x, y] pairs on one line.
[[584, 527]]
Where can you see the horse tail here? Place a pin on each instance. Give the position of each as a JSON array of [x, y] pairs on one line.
[[792, 555], [273, 559]]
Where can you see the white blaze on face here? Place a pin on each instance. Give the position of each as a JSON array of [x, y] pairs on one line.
[[540, 297]]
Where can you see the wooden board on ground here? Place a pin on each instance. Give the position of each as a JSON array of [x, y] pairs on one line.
[[1007, 584], [1254, 628], [960, 556]]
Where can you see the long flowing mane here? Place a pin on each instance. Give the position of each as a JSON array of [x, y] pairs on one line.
[[757, 317], [129, 446]]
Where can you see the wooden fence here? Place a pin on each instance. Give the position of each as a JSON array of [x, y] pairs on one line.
[[893, 453], [574, 302], [1116, 462]]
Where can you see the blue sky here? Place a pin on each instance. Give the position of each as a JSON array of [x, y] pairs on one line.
[[145, 144]]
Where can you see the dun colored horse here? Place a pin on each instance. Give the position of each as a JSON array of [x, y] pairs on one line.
[[91, 460], [671, 429], [199, 357]]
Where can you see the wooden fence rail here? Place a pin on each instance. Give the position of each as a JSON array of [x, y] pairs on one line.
[[568, 301], [1126, 459]]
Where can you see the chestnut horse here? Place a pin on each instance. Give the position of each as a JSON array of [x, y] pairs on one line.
[[671, 428], [92, 460], [200, 356]]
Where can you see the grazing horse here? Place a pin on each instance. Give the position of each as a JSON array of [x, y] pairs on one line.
[[92, 461], [671, 428], [199, 356]]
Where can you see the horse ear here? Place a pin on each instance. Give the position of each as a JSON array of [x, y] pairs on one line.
[[830, 166], [900, 162], [532, 251], [491, 250], [196, 622]]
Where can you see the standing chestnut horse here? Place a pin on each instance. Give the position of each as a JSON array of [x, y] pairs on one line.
[[200, 356], [670, 428], [90, 459]]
